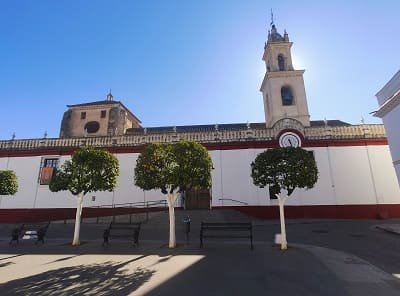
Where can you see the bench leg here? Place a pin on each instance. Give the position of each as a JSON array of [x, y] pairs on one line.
[[105, 242], [40, 240], [13, 240], [136, 237]]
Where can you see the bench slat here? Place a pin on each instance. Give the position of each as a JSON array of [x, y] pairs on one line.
[[235, 230], [225, 224], [226, 228], [119, 230], [227, 236]]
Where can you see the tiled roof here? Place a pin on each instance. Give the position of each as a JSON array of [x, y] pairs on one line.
[[334, 122], [105, 102], [220, 127]]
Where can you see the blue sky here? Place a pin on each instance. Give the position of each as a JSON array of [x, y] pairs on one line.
[[177, 62]]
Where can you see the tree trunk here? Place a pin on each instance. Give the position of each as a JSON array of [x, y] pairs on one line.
[[171, 198], [79, 204], [281, 201]]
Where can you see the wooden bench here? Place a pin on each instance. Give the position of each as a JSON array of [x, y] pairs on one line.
[[226, 230], [122, 230], [29, 231]]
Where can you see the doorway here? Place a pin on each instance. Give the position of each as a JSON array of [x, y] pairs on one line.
[[198, 199]]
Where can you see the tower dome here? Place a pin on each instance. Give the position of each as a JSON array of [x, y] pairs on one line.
[[274, 36]]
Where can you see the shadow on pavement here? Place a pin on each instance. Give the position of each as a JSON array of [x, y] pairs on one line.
[[93, 279], [263, 271]]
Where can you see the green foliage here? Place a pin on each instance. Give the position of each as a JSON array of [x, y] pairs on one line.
[[155, 167], [90, 169], [169, 167], [287, 168], [8, 183]]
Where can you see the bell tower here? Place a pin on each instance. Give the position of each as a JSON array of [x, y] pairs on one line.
[[283, 88]]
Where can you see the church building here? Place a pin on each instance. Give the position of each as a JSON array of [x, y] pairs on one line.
[[356, 174]]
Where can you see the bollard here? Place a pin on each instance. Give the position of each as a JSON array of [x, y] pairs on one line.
[[186, 227]]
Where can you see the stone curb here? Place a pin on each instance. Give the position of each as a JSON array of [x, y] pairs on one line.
[[394, 229]]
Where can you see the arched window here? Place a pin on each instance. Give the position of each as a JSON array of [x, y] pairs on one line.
[[92, 127], [287, 96], [281, 62]]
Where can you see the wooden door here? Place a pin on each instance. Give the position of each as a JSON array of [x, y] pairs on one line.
[[197, 199]]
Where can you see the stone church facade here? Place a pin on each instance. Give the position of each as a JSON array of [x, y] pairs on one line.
[[101, 118], [356, 174]]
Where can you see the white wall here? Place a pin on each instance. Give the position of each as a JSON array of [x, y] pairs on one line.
[[387, 189], [347, 175], [391, 122], [3, 163], [30, 194], [389, 110], [126, 191], [232, 184], [324, 190], [352, 177]]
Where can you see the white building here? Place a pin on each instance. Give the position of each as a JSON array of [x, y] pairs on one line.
[[389, 110], [356, 175]]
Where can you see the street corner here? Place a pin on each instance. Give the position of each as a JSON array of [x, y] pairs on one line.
[[391, 228], [350, 268]]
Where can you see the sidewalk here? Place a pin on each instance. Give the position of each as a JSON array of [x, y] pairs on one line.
[[221, 268], [392, 228]]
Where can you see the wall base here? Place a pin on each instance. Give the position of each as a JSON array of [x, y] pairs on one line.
[[54, 214], [382, 211]]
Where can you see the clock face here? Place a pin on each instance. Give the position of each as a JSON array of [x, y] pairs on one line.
[[289, 139]]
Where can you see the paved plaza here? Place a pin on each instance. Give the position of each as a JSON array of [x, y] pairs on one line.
[[324, 258]]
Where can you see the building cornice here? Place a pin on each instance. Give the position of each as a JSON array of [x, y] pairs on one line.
[[241, 136], [389, 105], [390, 88], [280, 74]]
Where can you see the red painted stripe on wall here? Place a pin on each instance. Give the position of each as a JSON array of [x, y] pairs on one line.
[[53, 214], [383, 211]]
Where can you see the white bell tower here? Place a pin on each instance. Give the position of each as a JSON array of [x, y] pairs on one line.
[[283, 88]]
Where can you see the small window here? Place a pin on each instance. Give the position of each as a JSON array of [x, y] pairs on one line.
[[48, 167], [83, 115], [281, 63], [50, 162], [287, 96], [103, 114]]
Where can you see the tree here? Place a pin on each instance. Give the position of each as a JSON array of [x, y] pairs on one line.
[[89, 170], [8, 183], [173, 168], [284, 169]]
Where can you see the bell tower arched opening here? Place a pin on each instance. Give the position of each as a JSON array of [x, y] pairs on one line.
[[281, 62], [287, 96]]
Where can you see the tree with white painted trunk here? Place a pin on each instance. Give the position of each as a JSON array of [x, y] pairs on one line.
[[8, 182], [283, 170], [89, 170], [173, 169]]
